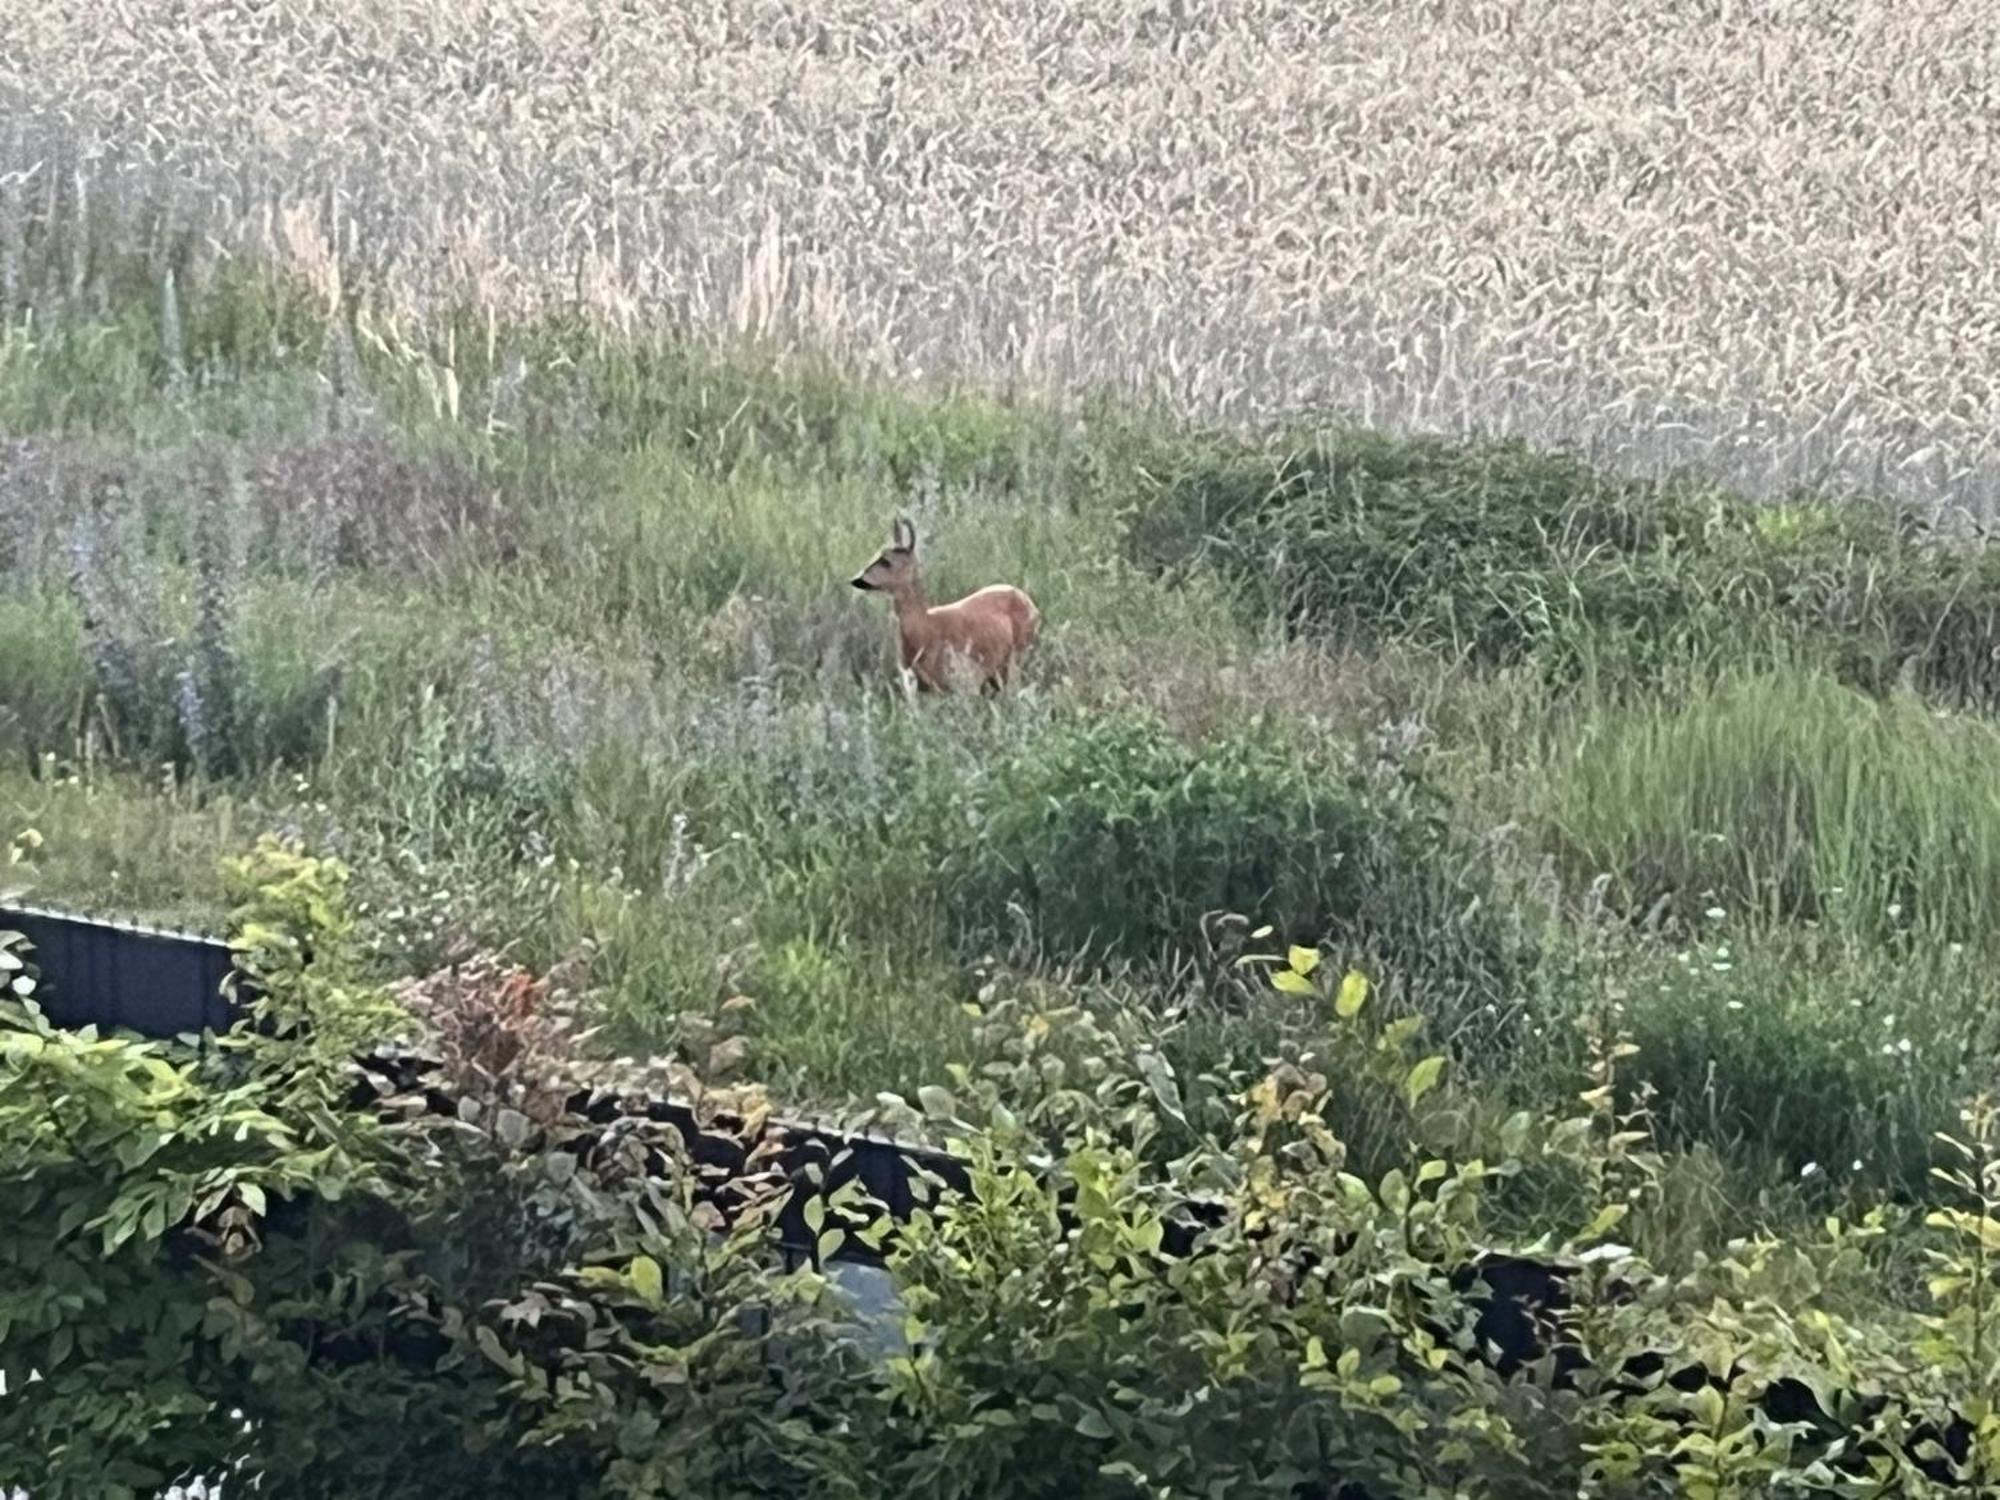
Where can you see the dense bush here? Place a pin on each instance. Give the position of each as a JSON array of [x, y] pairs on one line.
[[1499, 553], [1114, 837], [338, 1280]]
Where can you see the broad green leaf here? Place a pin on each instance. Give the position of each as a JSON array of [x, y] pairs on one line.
[[1159, 1074], [490, 1346], [1608, 1218], [1423, 1078], [1302, 960], [1353, 995], [1291, 983], [647, 1281], [938, 1102]]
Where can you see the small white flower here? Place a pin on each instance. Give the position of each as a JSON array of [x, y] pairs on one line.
[[1810, 1169], [1904, 1046], [1715, 914], [1736, 1005]]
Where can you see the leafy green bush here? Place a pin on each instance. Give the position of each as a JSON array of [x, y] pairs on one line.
[[335, 1279], [1499, 553], [1834, 1068], [213, 1264], [1115, 837]]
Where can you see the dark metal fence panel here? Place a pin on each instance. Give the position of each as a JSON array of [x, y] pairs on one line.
[[168, 984], [113, 975]]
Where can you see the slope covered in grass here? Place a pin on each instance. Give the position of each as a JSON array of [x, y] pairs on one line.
[[567, 662]]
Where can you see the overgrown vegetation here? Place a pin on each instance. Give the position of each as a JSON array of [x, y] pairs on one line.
[[542, 632], [330, 1277]]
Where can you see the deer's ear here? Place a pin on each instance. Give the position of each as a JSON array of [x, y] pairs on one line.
[[904, 534]]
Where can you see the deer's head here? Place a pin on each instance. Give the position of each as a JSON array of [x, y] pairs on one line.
[[895, 564]]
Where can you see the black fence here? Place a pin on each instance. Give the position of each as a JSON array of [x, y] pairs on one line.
[[159, 984], [118, 976]]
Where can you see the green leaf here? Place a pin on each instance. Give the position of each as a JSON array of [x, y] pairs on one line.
[[1423, 1078], [1092, 1425], [1302, 960], [647, 1280], [1291, 983], [938, 1102], [1159, 1074], [1709, 1406], [490, 1346], [1353, 995], [1608, 1218], [512, 1127]]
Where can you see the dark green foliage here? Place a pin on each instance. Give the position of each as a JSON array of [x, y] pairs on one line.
[[1497, 553], [1116, 838], [261, 1262]]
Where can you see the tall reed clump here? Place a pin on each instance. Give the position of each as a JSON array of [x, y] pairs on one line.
[[1786, 797]]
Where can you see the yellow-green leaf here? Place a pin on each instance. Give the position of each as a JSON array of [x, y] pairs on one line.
[[1608, 1218], [1353, 995], [1291, 983], [647, 1281], [1423, 1078], [1302, 960]]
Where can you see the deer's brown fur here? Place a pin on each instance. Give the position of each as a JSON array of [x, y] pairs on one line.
[[977, 640]]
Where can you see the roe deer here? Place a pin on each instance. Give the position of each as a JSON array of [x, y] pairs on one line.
[[979, 637]]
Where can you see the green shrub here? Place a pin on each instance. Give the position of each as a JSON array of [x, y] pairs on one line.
[[1830, 1063], [227, 1263], [1500, 553], [1114, 838], [326, 1281]]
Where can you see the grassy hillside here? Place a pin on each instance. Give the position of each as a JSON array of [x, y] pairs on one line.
[[451, 451], [561, 655]]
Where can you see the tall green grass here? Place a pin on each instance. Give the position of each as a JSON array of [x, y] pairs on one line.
[[1791, 799]]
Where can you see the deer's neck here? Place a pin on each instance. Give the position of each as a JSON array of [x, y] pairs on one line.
[[913, 610]]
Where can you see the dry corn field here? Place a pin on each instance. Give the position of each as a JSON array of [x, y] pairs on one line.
[[1759, 237]]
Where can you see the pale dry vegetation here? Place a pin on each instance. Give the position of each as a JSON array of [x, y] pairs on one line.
[[1749, 236]]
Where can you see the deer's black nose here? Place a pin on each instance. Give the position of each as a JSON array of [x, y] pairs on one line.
[[860, 582]]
